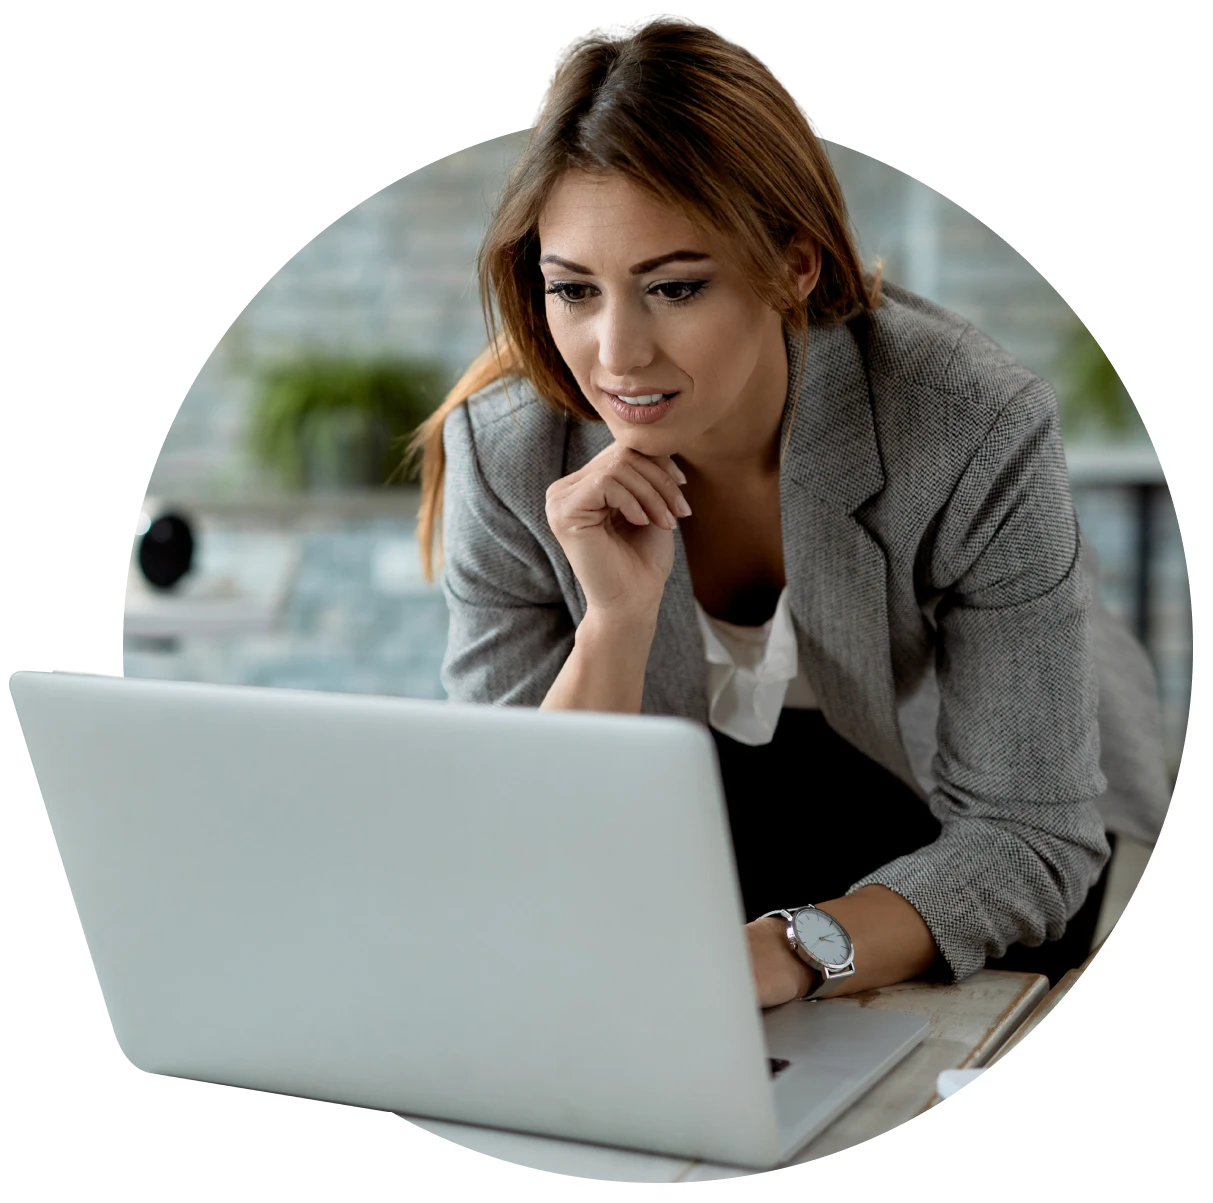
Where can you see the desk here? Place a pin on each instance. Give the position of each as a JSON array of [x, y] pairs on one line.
[[970, 1021]]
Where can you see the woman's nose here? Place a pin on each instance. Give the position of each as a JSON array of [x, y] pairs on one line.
[[625, 342]]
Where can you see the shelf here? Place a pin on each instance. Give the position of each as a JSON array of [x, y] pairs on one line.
[[237, 586], [319, 509], [1126, 466]]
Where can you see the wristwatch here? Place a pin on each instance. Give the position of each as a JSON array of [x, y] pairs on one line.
[[821, 942]]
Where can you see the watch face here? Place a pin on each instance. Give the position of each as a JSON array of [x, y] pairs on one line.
[[823, 938]]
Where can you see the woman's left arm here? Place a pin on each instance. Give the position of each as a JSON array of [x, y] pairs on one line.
[[892, 944], [1017, 769]]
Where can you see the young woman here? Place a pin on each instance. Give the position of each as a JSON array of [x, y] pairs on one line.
[[710, 468]]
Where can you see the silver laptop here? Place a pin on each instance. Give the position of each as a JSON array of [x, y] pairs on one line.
[[493, 915]]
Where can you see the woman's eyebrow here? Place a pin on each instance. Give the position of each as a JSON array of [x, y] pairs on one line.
[[638, 269]]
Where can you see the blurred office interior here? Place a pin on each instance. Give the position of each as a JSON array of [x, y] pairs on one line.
[[310, 579]]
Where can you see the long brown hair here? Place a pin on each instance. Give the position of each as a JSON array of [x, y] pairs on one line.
[[696, 122]]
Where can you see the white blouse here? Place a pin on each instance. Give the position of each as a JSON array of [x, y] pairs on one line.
[[753, 672]]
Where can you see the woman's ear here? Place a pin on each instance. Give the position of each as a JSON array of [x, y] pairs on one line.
[[804, 257]]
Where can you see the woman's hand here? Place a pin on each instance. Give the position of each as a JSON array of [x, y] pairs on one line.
[[615, 519], [779, 974]]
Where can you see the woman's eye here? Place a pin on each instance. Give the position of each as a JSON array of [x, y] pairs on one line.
[[568, 292], [572, 293], [678, 290]]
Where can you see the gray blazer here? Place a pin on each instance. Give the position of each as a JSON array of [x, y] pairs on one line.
[[936, 583]]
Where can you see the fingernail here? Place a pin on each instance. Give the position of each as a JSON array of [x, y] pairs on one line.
[[679, 475], [670, 520], [681, 508]]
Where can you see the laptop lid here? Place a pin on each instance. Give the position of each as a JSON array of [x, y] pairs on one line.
[[497, 915]]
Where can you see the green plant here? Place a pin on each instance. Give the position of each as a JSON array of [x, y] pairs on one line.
[[340, 422], [1090, 393]]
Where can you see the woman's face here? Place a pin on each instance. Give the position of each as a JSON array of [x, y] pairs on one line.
[[644, 304]]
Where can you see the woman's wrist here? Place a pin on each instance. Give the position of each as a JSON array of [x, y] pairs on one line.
[[605, 670], [806, 977], [891, 940]]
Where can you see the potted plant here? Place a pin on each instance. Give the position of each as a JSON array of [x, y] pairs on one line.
[[1093, 399], [331, 422]]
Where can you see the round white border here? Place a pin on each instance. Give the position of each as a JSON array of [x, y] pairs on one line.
[[1074, 1005]]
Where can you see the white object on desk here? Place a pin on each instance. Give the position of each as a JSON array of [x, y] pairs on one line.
[[952, 1080]]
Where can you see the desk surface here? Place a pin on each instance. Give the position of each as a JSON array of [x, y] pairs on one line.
[[970, 1021]]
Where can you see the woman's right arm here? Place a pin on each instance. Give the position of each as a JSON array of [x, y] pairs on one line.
[[605, 669], [509, 629], [615, 520], [511, 639]]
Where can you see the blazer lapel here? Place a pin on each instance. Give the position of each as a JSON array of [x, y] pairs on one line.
[[836, 572], [835, 569]]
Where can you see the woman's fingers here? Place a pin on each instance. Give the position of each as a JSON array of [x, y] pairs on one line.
[[660, 474], [639, 480], [667, 462], [644, 490]]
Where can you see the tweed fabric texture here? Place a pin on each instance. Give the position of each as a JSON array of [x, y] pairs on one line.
[[937, 586]]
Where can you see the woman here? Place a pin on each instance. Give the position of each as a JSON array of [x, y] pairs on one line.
[[710, 468]]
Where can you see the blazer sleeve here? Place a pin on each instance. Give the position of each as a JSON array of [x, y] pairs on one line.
[[510, 629], [1017, 764]]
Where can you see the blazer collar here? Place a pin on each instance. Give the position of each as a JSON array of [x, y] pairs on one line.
[[827, 432]]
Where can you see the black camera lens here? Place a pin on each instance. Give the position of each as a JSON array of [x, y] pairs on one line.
[[166, 551]]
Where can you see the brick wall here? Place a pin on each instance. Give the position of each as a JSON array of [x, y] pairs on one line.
[[396, 275]]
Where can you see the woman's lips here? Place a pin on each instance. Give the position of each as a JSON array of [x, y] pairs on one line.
[[640, 414], [638, 396]]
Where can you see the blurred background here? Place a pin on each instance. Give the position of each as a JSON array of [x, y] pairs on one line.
[[293, 564]]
